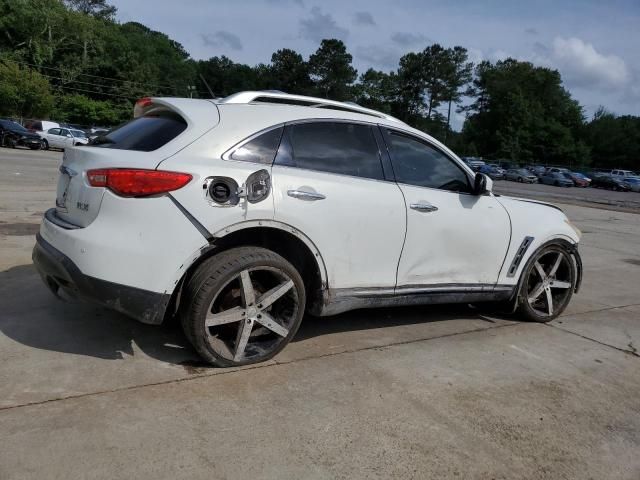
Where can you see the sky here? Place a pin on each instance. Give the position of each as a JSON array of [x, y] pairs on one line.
[[594, 44]]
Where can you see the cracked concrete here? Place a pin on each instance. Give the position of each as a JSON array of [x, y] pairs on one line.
[[438, 392]]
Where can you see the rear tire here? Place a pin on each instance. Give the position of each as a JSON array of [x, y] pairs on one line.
[[242, 306], [45, 145], [547, 284]]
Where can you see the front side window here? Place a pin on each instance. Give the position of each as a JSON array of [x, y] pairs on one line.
[[261, 149], [333, 147], [416, 163]]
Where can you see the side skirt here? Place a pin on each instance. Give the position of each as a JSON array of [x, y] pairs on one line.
[[344, 299]]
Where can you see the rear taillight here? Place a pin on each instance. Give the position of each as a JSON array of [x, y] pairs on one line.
[[128, 182]]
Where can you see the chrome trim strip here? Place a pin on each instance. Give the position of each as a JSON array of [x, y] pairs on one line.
[[517, 259], [422, 289]]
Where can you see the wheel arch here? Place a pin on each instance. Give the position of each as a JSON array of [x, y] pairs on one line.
[[281, 238], [566, 242]]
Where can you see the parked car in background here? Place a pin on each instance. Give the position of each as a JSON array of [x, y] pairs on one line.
[[13, 135], [492, 172], [473, 162], [622, 173], [577, 179], [41, 125], [634, 183], [63, 138], [538, 170], [557, 179], [610, 183], [231, 215], [521, 175], [497, 168]]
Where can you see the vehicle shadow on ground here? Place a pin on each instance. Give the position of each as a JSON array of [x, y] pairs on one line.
[[32, 316]]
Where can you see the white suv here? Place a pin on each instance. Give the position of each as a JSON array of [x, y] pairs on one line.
[[238, 215]]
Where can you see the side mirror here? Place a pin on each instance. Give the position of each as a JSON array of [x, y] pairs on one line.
[[482, 184]]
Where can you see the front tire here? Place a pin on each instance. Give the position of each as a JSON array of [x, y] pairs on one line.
[[548, 283], [243, 306]]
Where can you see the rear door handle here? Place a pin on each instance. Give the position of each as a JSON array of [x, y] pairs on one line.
[[302, 195], [423, 207]]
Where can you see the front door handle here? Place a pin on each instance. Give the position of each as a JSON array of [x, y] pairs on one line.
[[302, 195], [423, 207]]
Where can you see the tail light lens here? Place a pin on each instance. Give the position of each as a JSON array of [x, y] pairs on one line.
[[128, 182]]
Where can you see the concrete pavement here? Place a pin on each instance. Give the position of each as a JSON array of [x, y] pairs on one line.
[[438, 392]]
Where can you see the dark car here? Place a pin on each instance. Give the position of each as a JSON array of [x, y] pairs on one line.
[[610, 183], [521, 175], [13, 134], [491, 171], [538, 170], [556, 179], [577, 179]]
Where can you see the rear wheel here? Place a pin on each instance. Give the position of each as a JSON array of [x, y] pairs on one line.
[[548, 282], [243, 306], [45, 144]]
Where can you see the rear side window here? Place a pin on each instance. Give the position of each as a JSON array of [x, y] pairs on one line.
[[333, 147], [144, 134], [261, 149]]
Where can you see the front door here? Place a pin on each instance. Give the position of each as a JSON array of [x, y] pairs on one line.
[[454, 238], [328, 182]]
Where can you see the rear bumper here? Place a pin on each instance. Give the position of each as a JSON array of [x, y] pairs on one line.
[[61, 275]]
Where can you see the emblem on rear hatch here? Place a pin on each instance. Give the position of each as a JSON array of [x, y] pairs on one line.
[[82, 206]]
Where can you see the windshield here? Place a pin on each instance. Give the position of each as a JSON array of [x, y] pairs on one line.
[[13, 125], [78, 134], [522, 171]]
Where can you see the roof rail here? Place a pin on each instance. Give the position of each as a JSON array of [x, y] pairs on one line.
[[272, 96]]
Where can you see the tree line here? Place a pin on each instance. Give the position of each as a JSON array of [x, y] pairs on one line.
[[70, 60]]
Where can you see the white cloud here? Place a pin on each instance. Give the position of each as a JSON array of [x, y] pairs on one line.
[[581, 65]]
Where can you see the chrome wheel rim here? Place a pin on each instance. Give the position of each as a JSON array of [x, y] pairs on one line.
[[550, 282], [252, 314]]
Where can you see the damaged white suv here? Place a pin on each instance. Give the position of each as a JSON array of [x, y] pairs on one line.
[[238, 215]]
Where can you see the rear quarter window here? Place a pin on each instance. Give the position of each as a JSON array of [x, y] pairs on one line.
[[143, 134]]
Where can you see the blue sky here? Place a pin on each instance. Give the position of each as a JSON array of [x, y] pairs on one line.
[[594, 44]]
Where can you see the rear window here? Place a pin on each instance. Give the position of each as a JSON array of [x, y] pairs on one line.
[[143, 134]]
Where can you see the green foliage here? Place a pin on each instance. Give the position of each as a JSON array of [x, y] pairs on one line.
[[615, 141], [82, 110], [331, 70], [522, 112], [289, 72], [23, 92], [70, 60]]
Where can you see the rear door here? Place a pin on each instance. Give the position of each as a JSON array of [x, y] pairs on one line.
[[66, 139], [455, 240], [329, 182], [54, 138]]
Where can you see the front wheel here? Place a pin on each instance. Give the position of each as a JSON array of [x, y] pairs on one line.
[[548, 282], [243, 306]]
